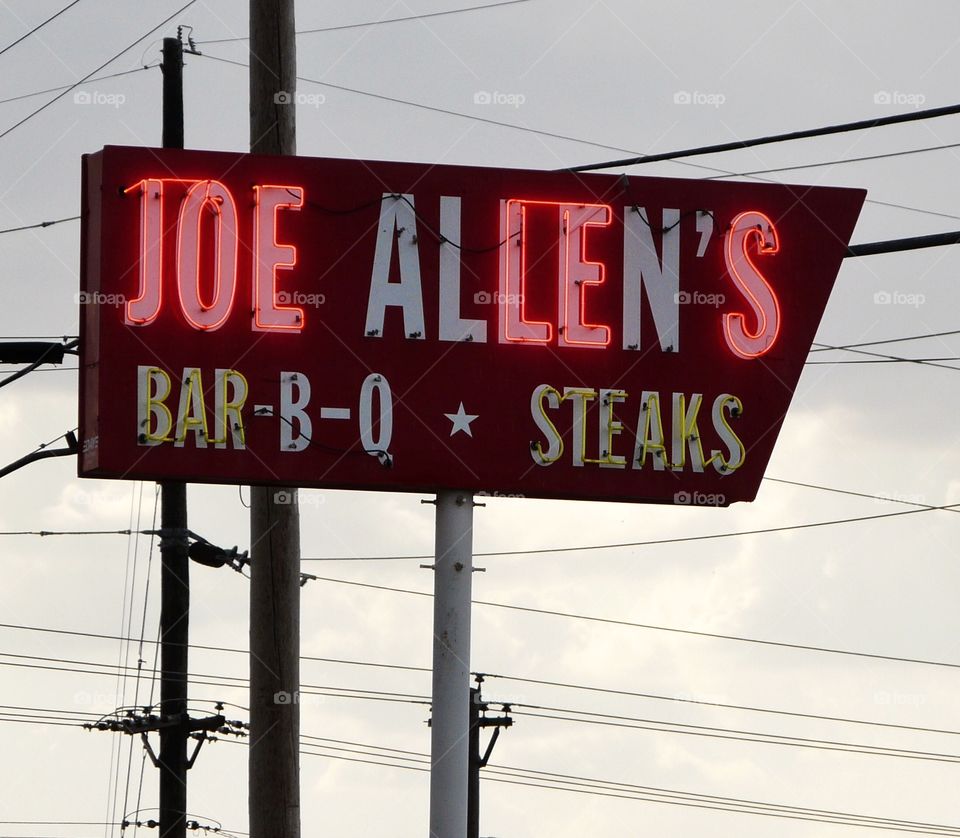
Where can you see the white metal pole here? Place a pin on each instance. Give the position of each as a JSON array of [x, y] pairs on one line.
[[449, 738]]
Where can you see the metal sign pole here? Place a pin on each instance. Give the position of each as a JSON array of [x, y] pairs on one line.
[[449, 739]]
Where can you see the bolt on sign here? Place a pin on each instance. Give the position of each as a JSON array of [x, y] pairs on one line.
[[411, 327]]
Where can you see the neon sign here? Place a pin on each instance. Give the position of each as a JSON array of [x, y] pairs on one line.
[[411, 327]]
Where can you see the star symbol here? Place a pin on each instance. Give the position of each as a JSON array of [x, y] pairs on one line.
[[461, 421]]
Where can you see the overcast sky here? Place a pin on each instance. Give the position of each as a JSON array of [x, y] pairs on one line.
[[617, 75]]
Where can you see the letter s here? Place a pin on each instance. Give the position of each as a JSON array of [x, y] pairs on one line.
[[752, 284]]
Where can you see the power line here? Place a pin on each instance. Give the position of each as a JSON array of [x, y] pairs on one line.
[[567, 780], [896, 206], [64, 338], [656, 541], [822, 347], [446, 13], [922, 362], [417, 761], [67, 87], [852, 493], [718, 804], [38, 27], [548, 712], [720, 704], [41, 224], [880, 358], [737, 145], [884, 156], [689, 800], [432, 108], [87, 77], [205, 680], [543, 682], [929, 362], [472, 117], [672, 630], [731, 734], [206, 648], [544, 550]]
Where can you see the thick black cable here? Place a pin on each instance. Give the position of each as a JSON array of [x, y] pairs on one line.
[[737, 145], [900, 245], [40, 225]]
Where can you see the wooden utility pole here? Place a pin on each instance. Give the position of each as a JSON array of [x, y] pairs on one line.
[[274, 769], [175, 562]]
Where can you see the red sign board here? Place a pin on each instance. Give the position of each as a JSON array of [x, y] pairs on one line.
[[401, 326]]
